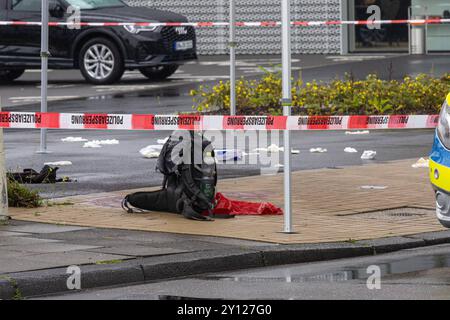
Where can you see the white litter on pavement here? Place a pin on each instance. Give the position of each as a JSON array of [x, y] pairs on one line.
[[357, 132], [421, 163], [273, 148], [152, 151], [318, 150], [369, 155], [374, 187], [58, 163], [74, 139], [294, 151], [350, 150], [108, 142], [162, 141], [152, 155], [92, 144], [100, 143]]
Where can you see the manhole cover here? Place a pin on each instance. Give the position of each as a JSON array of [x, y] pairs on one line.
[[404, 213]]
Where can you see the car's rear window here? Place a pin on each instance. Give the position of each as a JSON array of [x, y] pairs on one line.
[[95, 4]]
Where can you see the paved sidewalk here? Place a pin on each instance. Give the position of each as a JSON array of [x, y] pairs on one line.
[[329, 205], [115, 248]]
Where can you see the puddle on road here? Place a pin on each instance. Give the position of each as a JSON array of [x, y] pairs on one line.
[[396, 267]]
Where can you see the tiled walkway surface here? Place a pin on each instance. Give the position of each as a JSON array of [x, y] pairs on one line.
[[329, 205]]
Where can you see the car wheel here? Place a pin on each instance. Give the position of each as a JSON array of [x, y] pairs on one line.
[[8, 75], [100, 61], [159, 72]]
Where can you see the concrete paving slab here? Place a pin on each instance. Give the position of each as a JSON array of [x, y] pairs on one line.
[[43, 228], [6, 254], [48, 247], [116, 238], [139, 251], [22, 264], [11, 234], [76, 258], [24, 241]]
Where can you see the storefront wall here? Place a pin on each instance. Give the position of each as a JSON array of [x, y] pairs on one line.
[[438, 36]]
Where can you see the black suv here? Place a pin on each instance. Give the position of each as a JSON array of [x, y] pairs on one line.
[[101, 53]]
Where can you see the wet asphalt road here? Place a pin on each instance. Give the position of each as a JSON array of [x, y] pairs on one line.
[[137, 94], [121, 167], [422, 273]]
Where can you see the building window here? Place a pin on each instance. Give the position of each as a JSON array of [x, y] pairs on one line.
[[385, 38]]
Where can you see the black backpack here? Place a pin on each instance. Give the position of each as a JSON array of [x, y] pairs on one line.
[[190, 180], [30, 176]]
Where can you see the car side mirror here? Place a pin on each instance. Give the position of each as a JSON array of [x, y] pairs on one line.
[[55, 9]]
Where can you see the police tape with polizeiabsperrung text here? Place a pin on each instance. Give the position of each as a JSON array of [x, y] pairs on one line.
[[81, 121]]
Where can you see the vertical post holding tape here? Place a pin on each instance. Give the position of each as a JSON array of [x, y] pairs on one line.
[[287, 104], [3, 185], [232, 45], [44, 69]]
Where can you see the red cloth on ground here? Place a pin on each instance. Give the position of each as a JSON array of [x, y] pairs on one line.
[[235, 207]]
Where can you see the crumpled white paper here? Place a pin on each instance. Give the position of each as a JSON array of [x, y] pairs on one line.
[[421, 163], [100, 143], [273, 148], [58, 163], [108, 142], [74, 139], [318, 150], [369, 155], [162, 141], [350, 150], [92, 144], [357, 132], [152, 151]]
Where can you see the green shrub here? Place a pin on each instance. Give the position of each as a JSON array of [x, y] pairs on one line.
[[20, 196], [413, 95]]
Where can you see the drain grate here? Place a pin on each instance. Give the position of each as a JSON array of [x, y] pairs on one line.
[[403, 213]]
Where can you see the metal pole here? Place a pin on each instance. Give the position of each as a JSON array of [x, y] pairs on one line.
[[287, 104], [232, 45], [44, 69], [3, 186]]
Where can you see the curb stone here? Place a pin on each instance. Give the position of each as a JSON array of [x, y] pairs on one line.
[[52, 281], [386, 245]]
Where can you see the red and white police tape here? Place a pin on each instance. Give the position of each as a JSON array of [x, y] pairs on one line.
[[82, 121], [225, 24]]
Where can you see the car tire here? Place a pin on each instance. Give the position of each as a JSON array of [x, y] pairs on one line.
[[159, 73], [9, 75], [100, 61]]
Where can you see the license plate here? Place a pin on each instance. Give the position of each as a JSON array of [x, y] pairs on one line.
[[184, 45]]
